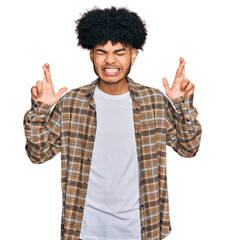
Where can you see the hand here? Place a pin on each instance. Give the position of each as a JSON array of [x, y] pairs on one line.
[[181, 85], [44, 91]]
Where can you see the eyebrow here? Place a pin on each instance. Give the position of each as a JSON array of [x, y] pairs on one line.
[[100, 50], [121, 49], [116, 51]]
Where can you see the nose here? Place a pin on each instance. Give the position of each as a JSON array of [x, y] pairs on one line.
[[110, 59]]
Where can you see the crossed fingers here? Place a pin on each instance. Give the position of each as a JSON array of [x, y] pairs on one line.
[[181, 69], [47, 76], [37, 90]]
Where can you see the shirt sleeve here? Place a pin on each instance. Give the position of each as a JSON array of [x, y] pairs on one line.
[[183, 129], [42, 131]]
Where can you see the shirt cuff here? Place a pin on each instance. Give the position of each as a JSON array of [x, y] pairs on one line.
[[40, 108], [184, 107], [185, 102]]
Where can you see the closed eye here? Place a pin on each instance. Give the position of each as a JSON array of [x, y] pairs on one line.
[[100, 51], [119, 54]]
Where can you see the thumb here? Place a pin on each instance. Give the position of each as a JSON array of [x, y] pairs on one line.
[[166, 85], [60, 92]]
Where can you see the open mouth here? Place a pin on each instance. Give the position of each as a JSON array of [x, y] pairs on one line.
[[111, 70]]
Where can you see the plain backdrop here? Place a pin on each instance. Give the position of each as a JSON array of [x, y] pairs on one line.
[[36, 32]]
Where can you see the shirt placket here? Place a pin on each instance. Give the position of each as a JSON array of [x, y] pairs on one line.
[[88, 158], [137, 128]]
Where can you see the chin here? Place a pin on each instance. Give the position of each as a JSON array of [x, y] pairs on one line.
[[112, 80]]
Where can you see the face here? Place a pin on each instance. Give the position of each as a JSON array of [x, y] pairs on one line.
[[112, 62]]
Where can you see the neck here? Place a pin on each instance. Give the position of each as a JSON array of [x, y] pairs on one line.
[[118, 88]]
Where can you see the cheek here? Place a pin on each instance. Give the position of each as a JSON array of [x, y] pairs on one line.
[[98, 62], [126, 65], [125, 62]]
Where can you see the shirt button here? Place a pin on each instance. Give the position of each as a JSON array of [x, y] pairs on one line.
[[92, 136], [183, 101], [35, 105], [136, 109], [142, 205], [28, 121], [81, 207], [78, 231], [143, 228], [84, 183], [70, 232], [137, 133], [89, 160]]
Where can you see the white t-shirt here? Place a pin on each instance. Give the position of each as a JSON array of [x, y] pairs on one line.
[[111, 210]]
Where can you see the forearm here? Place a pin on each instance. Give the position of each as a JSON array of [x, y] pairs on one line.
[[183, 129], [42, 132]]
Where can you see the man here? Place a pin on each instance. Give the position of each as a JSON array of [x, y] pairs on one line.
[[112, 135]]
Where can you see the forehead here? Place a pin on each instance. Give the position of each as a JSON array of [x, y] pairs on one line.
[[109, 46]]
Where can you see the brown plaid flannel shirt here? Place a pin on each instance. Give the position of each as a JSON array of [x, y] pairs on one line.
[[70, 129]]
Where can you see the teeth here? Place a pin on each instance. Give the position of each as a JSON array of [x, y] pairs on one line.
[[111, 70]]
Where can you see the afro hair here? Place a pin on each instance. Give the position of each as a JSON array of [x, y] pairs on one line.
[[98, 26]]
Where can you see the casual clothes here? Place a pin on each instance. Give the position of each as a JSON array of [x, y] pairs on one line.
[[71, 128]]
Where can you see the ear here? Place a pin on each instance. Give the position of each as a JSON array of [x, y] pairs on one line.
[[133, 54], [92, 55]]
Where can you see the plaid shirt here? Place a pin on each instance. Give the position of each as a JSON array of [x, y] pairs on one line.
[[70, 129]]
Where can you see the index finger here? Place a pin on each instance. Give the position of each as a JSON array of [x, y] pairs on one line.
[[47, 75]]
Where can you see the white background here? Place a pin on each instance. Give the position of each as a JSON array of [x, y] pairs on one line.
[[36, 32]]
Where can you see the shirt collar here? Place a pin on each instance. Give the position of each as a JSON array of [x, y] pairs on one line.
[[133, 88]]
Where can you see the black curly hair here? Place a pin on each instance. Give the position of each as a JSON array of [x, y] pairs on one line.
[[98, 26]]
